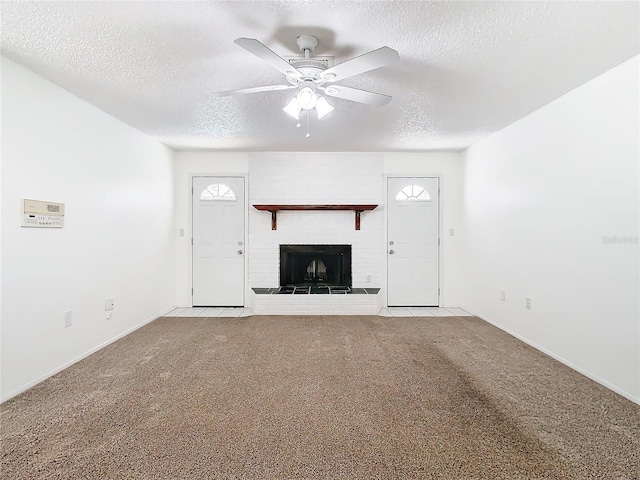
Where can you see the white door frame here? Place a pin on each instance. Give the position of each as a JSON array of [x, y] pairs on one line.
[[441, 184], [245, 176]]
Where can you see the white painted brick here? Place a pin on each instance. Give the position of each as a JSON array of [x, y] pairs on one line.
[[318, 178], [316, 304]]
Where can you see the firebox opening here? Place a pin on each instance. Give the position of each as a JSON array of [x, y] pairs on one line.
[[315, 265]]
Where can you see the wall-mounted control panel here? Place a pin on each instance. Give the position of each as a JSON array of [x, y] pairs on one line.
[[36, 213]]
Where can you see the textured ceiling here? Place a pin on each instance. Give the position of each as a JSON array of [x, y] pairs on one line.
[[466, 69]]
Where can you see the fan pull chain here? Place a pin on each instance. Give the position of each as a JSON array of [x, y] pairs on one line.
[[308, 134]]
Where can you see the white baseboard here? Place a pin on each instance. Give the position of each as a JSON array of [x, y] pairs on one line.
[[560, 359], [33, 383]]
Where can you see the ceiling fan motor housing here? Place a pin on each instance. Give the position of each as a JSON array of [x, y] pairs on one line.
[[309, 67]]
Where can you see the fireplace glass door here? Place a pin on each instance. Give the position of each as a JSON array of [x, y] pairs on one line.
[[315, 265]]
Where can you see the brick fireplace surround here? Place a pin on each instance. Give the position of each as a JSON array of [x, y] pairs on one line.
[[283, 180]]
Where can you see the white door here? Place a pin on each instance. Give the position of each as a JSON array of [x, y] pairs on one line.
[[412, 242], [218, 241]]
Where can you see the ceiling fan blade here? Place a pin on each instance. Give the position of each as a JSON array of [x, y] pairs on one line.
[[239, 91], [264, 53], [364, 63], [355, 95]]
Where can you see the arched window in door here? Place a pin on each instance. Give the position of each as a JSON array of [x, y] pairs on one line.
[[413, 193], [218, 192]]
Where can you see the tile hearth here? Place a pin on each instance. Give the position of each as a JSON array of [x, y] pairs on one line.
[[315, 290]]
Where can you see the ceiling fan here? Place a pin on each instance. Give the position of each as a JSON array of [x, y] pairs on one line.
[[310, 76]]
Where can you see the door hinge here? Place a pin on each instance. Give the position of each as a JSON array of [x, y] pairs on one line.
[[191, 190], [438, 292], [192, 292], [438, 242], [191, 240]]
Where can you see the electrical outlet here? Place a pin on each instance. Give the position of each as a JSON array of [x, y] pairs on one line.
[[108, 304], [503, 295], [68, 320], [368, 278], [452, 232], [528, 303]]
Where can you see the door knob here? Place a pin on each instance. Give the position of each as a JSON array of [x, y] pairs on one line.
[[391, 252], [239, 252]]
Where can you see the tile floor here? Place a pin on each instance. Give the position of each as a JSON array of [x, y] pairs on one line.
[[385, 312], [209, 312], [424, 312]]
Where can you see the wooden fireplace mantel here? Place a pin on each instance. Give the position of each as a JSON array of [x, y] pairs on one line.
[[274, 209]]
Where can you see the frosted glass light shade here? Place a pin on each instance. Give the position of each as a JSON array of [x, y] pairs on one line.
[[307, 98], [323, 108], [293, 108]]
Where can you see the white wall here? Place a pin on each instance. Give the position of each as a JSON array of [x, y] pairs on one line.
[[329, 177], [542, 197], [118, 239]]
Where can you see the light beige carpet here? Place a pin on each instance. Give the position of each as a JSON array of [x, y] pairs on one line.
[[319, 398]]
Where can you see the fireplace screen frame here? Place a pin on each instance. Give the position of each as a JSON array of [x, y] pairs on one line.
[[315, 265]]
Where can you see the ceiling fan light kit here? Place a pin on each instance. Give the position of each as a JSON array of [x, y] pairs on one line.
[[309, 75], [308, 99], [307, 96]]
